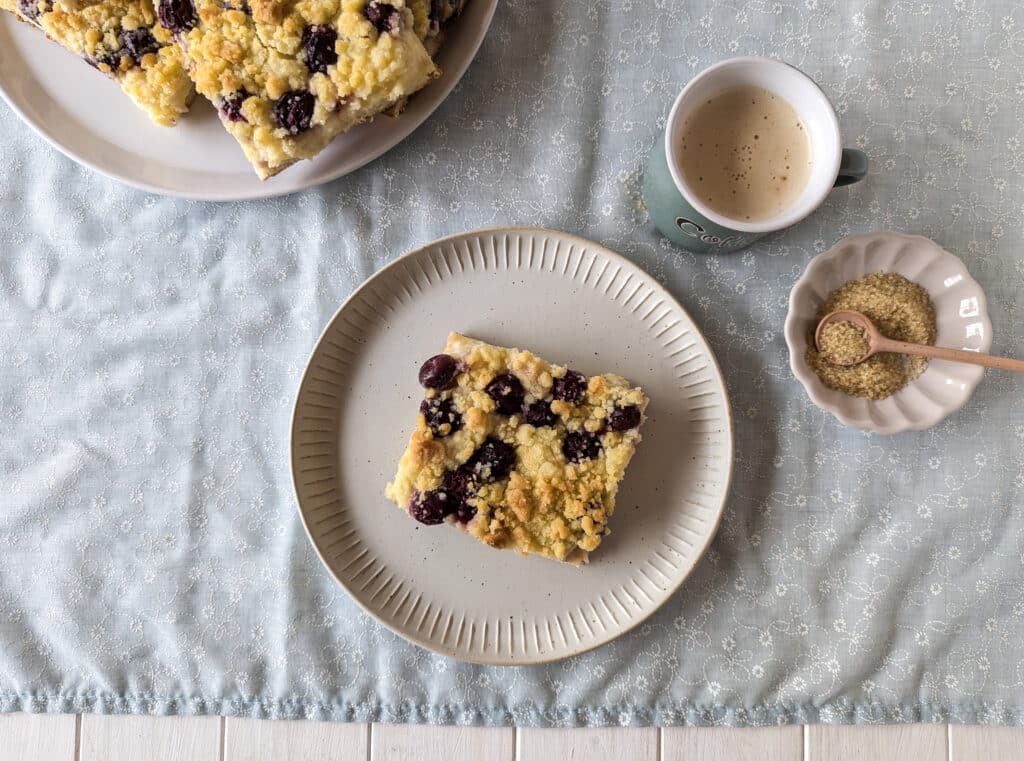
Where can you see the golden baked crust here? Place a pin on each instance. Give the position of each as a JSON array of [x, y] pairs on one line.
[[122, 39], [288, 76], [555, 492]]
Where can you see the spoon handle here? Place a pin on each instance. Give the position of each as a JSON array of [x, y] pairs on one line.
[[953, 355]]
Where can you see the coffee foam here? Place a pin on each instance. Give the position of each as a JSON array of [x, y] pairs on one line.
[[745, 153]]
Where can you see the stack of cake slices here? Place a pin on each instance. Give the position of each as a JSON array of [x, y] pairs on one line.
[[286, 76]]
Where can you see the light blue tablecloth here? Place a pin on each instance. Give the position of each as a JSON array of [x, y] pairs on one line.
[[151, 558]]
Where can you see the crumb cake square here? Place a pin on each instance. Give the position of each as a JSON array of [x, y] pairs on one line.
[[521, 453], [288, 76], [122, 39]]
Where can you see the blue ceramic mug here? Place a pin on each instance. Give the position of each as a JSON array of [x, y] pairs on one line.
[[677, 211]]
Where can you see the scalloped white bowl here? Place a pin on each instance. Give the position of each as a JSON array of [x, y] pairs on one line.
[[961, 316]]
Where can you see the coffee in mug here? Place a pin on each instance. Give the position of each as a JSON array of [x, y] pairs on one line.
[[762, 151], [745, 153]]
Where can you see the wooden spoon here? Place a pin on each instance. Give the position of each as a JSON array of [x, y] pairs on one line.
[[877, 342]]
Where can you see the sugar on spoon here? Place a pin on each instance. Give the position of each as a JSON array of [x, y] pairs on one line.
[[877, 342]]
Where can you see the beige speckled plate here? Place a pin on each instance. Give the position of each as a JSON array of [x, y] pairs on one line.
[[572, 302]]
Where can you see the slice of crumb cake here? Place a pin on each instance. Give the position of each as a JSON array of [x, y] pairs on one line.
[[289, 76], [521, 453], [124, 40]]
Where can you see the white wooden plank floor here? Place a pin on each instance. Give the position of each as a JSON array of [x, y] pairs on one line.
[[131, 738]]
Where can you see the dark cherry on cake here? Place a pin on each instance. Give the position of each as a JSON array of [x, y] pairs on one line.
[[571, 387], [231, 106], [540, 414], [507, 392], [318, 43], [383, 16], [429, 508], [138, 42], [624, 418], [294, 111], [493, 461], [441, 416], [438, 372], [177, 15], [579, 446]]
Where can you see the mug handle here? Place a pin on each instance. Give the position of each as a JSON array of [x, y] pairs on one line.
[[853, 167]]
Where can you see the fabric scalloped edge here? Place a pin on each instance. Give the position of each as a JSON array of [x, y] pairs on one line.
[[660, 715]]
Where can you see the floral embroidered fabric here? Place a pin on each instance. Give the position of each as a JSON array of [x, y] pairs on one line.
[[151, 556]]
